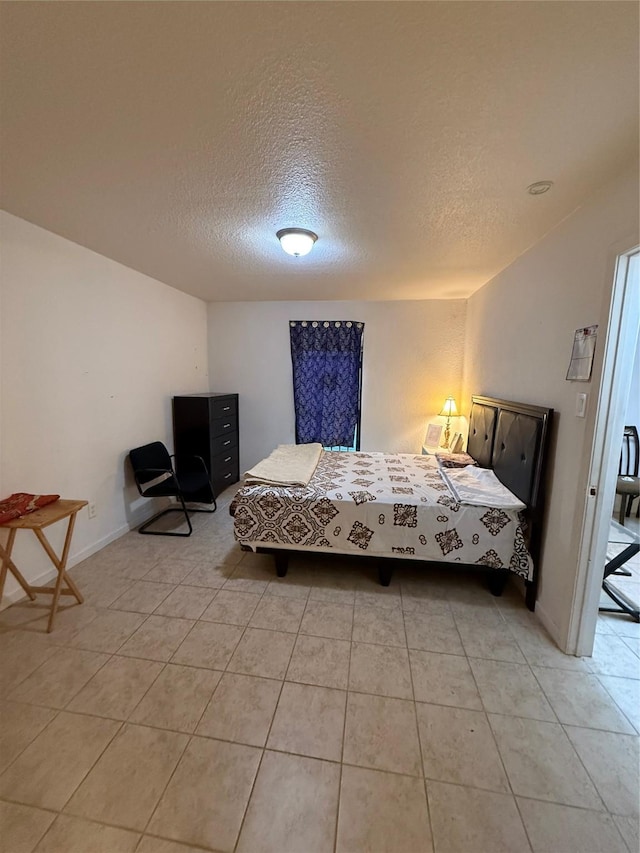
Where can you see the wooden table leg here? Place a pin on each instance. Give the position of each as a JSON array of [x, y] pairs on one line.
[[8, 564], [60, 565]]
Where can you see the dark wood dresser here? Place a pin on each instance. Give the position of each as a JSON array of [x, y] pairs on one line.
[[207, 425]]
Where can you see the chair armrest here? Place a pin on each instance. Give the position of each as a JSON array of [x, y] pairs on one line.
[[184, 462], [155, 472], [202, 463], [144, 475]]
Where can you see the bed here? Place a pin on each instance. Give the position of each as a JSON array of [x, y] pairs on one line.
[[407, 507]]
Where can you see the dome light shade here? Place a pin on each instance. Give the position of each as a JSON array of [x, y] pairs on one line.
[[449, 410], [296, 241]]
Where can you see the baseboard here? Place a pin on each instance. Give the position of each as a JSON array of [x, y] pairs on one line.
[[136, 520], [43, 579], [549, 624]]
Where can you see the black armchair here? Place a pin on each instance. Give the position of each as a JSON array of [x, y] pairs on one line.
[[628, 484], [156, 477]]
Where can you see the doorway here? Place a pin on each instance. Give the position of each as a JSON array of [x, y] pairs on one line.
[[615, 390]]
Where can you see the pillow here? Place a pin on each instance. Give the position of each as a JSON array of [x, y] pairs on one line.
[[454, 460]]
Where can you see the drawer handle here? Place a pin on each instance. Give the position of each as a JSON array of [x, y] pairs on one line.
[[228, 459], [226, 408], [226, 426], [224, 444], [226, 476]]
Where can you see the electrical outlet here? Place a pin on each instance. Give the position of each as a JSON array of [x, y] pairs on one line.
[[92, 510]]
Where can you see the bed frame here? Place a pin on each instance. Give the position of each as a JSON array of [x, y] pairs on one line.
[[513, 440]]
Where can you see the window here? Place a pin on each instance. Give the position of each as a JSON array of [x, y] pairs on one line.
[[326, 357]]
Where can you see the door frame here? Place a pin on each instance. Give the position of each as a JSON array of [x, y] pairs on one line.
[[615, 385]]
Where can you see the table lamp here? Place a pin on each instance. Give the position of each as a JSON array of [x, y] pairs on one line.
[[449, 411]]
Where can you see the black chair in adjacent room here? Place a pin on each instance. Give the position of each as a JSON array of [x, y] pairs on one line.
[[628, 485], [614, 567], [156, 477]]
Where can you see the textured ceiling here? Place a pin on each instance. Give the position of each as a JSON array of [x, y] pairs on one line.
[[178, 137]]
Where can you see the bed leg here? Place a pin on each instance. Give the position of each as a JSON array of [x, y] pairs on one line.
[[282, 563], [497, 581], [530, 594], [384, 573]]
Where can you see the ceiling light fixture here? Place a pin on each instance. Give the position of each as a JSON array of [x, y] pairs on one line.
[[296, 241], [539, 187]]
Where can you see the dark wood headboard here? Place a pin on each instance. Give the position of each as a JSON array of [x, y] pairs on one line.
[[513, 440]]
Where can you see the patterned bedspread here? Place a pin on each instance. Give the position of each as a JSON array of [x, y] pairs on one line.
[[380, 504]]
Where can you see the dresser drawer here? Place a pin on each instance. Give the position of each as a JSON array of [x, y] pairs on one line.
[[223, 426], [224, 477], [225, 460], [222, 407], [224, 442]]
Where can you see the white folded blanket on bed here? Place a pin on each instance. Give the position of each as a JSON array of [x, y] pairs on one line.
[[287, 465], [480, 487]]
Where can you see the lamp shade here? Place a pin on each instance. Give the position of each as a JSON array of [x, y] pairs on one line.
[[296, 241], [449, 409]]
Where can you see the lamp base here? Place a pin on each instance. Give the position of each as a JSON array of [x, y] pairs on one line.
[[447, 435]]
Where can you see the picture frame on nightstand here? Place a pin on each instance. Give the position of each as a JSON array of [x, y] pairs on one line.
[[433, 436], [457, 443]]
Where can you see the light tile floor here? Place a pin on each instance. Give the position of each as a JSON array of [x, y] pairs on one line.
[[197, 702]]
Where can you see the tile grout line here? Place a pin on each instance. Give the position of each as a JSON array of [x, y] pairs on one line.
[[613, 699], [497, 748], [206, 668], [580, 725], [415, 714], [584, 766], [81, 713], [64, 707], [191, 736], [165, 664], [344, 728], [164, 790], [265, 591], [262, 753], [85, 776], [573, 748], [538, 799], [244, 631], [42, 730]]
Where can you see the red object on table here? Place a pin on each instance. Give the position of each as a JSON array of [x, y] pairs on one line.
[[21, 503]]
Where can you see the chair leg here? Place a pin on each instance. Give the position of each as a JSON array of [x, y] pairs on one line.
[[624, 604], [623, 506], [613, 567], [182, 508], [208, 511], [212, 500]]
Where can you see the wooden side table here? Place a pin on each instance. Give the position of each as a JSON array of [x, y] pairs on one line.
[[37, 521]]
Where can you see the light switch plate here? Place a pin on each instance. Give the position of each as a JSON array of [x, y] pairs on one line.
[[581, 405]]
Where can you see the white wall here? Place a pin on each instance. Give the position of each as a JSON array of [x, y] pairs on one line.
[[413, 357], [91, 353], [520, 330]]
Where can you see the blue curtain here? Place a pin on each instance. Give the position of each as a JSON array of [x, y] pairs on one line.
[[326, 358]]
